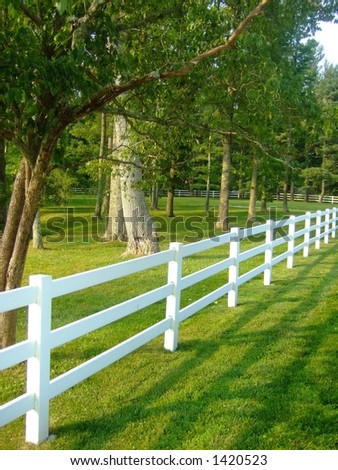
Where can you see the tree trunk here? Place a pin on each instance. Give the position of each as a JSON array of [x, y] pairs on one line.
[[306, 192], [105, 199], [171, 192], [3, 186], [170, 203], [223, 209], [292, 190], [37, 236], [322, 192], [22, 209], [154, 196], [264, 205], [285, 189], [101, 183], [142, 237], [14, 245], [207, 192], [115, 229], [253, 189], [287, 172]]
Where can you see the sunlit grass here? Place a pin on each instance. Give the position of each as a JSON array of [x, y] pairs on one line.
[[262, 375]]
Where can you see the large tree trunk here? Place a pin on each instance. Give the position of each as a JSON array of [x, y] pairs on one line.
[[223, 209], [142, 237], [115, 228], [23, 206], [253, 189], [3, 186], [141, 233], [14, 246]]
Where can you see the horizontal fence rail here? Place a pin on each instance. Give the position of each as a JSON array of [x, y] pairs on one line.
[[234, 194], [297, 233]]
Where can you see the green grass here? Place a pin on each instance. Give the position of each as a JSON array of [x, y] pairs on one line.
[[263, 375]]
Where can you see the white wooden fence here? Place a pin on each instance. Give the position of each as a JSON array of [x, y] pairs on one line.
[[234, 194], [38, 296], [245, 195]]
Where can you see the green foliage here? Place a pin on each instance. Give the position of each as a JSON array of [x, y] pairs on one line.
[[58, 186]]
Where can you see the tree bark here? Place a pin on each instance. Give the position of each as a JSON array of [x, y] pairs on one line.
[[142, 237], [154, 196], [25, 201], [37, 235], [3, 186], [264, 205], [253, 189], [292, 190], [101, 183], [322, 192], [285, 188], [223, 209], [207, 189], [141, 233], [13, 249], [115, 228], [170, 202]]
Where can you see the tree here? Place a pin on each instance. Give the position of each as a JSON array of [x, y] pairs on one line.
[[102, 177], [3, 185], [326, 176], [129, 213], [63, 63]]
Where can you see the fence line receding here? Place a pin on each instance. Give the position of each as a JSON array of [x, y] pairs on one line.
[[310, 228]]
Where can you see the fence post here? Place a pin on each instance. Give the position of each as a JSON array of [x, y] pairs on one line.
[[268, 253], [235, 239], [318, 229], [174, 300], [38, 366], [334, 216], [307, 234], [327, 226], [291, 241]]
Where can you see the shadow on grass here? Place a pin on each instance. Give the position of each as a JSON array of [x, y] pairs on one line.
[[280, 392]]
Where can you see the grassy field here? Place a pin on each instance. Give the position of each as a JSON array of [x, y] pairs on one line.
[[263, 375]]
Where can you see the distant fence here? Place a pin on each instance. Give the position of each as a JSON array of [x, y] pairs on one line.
[[214, 194], [244, 195], [309, 228]]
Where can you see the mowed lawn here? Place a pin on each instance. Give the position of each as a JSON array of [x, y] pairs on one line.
[[262, 375]]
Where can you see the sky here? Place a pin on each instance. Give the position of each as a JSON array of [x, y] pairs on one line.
[[328, 38]]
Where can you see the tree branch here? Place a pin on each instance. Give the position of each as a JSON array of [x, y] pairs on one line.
[[153, 18], [90, 12], [36, 20], [112, 91]]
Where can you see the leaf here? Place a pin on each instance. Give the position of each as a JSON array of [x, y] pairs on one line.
[[64, 6]]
